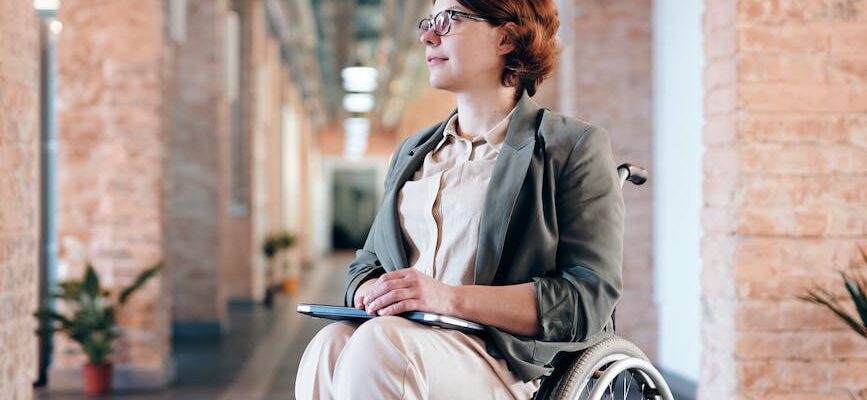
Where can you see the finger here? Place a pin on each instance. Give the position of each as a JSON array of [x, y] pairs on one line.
[[390, 298], [381, 288], [401, 307]]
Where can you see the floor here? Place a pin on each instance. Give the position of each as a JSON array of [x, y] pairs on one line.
[[258, 358]]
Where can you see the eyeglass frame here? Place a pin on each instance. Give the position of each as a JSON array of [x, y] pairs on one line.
[[450, 16]]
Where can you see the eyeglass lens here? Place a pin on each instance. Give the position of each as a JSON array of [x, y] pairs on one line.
[[440, 24]]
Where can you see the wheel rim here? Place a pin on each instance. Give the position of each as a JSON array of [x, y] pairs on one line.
[[625, 384]]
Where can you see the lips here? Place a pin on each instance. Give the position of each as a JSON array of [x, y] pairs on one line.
[[434, 60]]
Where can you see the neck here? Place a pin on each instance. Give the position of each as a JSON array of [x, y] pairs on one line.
[[480, 110]]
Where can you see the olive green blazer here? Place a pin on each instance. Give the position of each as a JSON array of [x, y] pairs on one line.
[[553, 215]]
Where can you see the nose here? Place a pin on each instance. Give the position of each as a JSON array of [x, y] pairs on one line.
[[429, 38]]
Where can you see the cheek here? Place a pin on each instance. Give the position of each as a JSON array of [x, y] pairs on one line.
[[475, 56]]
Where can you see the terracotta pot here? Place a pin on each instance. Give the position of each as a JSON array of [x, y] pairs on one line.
[[290, 285], [97, 379]]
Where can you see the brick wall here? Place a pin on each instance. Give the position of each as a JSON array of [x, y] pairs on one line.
[[785, 204], [19, 196], [110, 162], [197, 120], [236, 279], [605, 78]]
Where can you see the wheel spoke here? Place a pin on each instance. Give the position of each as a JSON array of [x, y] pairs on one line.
[[626, 386]]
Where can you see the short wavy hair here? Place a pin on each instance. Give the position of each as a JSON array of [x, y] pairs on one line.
[[534, 35]]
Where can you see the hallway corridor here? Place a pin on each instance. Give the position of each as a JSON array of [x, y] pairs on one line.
[[258, 358]]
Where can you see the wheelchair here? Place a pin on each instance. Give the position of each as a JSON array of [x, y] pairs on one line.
[[612, 369]]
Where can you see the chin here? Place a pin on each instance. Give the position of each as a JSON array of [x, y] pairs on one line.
[[440, 83]]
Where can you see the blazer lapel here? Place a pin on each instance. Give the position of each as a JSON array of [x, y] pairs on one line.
[[506, 181], [505, 185], [407, 165]]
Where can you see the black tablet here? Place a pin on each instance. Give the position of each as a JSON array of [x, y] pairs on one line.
[[356, 315]]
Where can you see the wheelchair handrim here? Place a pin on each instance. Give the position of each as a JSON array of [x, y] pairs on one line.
[[603, 372]]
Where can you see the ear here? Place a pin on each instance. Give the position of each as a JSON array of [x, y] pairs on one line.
[[505, 45]]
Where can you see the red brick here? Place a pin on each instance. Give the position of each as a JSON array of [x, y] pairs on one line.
[[786, 315], [770, 190], [785, 11], [784, 198], [720, 101], [719, 73], [718, 190], [782, 67], [720, 44], [192, 200], [850, 68], [719, 15], [110, 95], [798, 127], [19, 196], [758, 374], [849, 38], [802, 159], [788, 97], [617, 94], [804, 375], [802, 221], [785, 38]]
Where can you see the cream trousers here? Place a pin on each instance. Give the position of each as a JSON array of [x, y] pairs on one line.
[[395, 358]]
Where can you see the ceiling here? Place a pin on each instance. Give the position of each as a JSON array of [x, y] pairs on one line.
[[321, 37]]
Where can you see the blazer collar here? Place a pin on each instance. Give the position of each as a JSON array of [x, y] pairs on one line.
[[506, 181], [521, 130]]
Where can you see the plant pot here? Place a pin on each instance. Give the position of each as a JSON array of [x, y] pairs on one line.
[[290, 285], [97, 379]]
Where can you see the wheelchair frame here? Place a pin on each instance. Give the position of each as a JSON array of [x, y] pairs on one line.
[[605, 361]]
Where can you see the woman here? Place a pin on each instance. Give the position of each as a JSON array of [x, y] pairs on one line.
[[504, 214]]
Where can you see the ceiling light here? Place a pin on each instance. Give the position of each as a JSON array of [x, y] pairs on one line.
[[359, 79], [46, 5], [358, 102]]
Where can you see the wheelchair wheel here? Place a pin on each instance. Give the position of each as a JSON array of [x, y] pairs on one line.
[[613, 369]]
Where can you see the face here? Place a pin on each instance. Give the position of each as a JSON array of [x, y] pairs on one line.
[[470, 56]]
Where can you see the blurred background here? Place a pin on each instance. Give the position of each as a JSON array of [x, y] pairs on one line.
[[244, 144]]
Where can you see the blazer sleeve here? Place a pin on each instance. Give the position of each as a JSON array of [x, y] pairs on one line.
[[576, 300], [366, 265]]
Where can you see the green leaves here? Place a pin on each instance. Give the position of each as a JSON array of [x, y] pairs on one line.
[[139, 282], [276, 242], [92, 320], [856, 285], [91, 282]]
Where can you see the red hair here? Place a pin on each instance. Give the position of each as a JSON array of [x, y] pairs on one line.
[[532, 31]]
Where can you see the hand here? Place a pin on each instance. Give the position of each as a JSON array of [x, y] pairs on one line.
[[360, 292], [406, 290]]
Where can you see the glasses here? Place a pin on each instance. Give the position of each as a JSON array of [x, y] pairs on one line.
[[442, 22]]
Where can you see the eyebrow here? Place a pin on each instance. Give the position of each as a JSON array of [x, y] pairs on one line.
[[454, 8]]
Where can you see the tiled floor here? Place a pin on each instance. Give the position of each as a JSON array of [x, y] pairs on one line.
[[258, 358]]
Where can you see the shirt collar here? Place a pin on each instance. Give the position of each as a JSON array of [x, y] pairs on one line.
[[493, 137]]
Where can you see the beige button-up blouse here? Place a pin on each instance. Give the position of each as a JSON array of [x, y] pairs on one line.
[[441, 207]]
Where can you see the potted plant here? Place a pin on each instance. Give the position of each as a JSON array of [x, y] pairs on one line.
[[290, 283], [273, 245], [92, 323], [856, 285]]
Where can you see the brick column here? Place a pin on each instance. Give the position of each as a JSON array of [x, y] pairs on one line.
[[111, 168], [194, 207], [785, 204], [241, 260], [19, 196], [605, 78]]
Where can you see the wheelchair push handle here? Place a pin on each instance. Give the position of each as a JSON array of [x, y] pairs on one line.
[[632, 173]]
